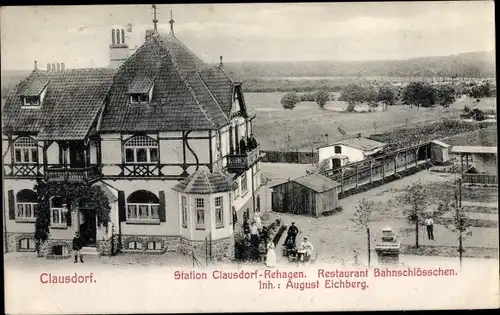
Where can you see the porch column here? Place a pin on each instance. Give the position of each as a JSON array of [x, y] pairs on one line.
[[416, 156], [395, 164], [44, 151], [406, 159]]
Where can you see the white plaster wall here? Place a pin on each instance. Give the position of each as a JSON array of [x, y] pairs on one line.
[[111, 148], [6, 151], [354, 155], [53, 153], [16, 185], [171, 151], [172, 224]]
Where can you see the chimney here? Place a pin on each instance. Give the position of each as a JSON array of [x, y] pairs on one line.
[[220, 65], [36, 67], [48, 67], [58, 66], [62, 66], [53, 67]]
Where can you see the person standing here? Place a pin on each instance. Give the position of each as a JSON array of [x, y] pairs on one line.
[[292, 233], [271, 255], [305, 249], [253, 142], [429, 224], [258, 219], [77, 247], [243, 146]]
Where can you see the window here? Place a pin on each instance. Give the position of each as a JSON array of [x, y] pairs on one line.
[[141, 149], [184, 211], [237, 190], [155, 246], [219, 212], [143, 205], [135, 245], [58, 211], [244, 183], [200, 213], [31, 100], [338, 149], [139, 98], [26, 203], [27, 243], [25, 151]]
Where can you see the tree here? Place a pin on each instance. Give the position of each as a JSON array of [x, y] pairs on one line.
[[362, 218], [352, 94], [416, 197], [421, 94], [446, 95], [289, 100], [321, 98], [386, 96], [461, 222], [371, 96]]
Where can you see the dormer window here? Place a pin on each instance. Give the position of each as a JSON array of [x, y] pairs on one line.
[[139, 98], [32, 101], [141, 90]]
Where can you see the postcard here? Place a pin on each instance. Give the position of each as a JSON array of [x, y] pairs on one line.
[[249, 157]]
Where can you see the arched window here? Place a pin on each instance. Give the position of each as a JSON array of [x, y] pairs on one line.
[[338, 149], [26, 203], [123, 36], [141, 149], [113, 41], [25, 150], [143, 205], [58, 211]]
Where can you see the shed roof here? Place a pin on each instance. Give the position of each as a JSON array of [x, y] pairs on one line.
[[360, 143], [474, 149], [203, 182], [316, 182], [441, 144]]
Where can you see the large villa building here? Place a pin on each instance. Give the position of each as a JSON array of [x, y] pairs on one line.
[[158, 132]]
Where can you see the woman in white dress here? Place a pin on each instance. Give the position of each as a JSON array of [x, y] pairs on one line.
[[271, 255], [258, 220]]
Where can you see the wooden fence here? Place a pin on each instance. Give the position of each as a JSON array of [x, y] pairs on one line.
[[380, 169], [480, 179], [295, 157]]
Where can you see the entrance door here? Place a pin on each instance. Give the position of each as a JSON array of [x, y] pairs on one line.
[[76, 155], [88, 227], [336, 163]]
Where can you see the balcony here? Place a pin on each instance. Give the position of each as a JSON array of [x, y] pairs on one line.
[[85, 174], [238, 162]]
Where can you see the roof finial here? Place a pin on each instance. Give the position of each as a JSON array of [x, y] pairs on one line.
[[155, 20], [220, 64], [36, 67], [171, 24]]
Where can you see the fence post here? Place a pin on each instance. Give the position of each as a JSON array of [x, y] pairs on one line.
[[383, 169], [356, 175]]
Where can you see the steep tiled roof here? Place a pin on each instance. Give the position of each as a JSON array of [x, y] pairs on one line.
[[71, 104], [204, 182], [183, 98], [141, 85]]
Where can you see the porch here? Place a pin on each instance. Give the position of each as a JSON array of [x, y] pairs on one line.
[[239, 162]]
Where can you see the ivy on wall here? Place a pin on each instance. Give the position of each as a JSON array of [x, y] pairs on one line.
[[74, 194]]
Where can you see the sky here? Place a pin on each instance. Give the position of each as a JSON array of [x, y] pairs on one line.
[[80, 36]]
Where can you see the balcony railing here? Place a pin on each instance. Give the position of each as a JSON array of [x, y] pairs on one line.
[[243, 161], [480, 179], [86, 174]]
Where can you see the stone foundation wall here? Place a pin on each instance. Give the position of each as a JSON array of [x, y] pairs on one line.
[[13, 241], [46, 249], [168, 243], [220, 250]]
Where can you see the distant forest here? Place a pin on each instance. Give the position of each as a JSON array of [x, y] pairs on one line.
[[473, 65], [466, 65]]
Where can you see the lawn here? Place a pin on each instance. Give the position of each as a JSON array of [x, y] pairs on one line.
[[306, 125]]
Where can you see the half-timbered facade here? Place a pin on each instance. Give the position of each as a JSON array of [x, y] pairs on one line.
[[159, 134]]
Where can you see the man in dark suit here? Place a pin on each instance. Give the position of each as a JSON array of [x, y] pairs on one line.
[[243, 146], [77, 247]]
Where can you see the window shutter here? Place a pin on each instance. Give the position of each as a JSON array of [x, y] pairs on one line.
[[122, 214], [68, 217], [162, 210], [12, 205]]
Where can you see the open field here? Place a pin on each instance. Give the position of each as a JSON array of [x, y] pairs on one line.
[[280, 129]]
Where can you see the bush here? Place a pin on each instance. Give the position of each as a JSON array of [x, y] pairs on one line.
[[321, 98], [289, 100]]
